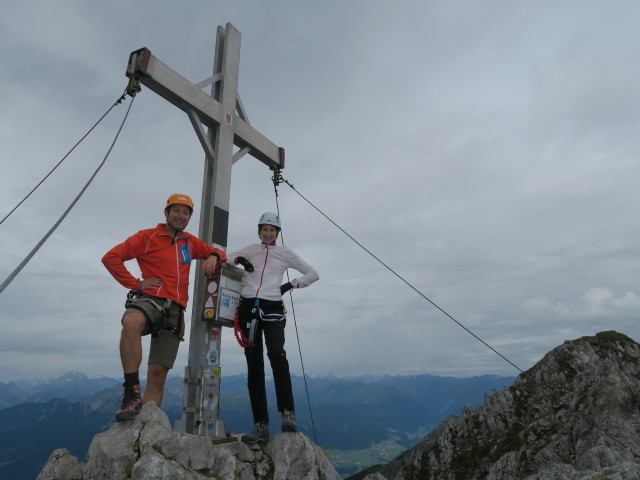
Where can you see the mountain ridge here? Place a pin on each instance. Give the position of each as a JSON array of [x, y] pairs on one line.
[[574, 415], [72, 386]]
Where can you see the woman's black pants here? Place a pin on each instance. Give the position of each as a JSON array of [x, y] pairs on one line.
[[273, 332]]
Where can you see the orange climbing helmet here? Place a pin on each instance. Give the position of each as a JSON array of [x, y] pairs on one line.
[[178, 198]]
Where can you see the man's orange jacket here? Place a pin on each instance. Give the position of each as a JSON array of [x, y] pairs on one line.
[[159, 255]]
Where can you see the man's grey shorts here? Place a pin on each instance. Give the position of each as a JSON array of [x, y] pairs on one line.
[[164, 347]]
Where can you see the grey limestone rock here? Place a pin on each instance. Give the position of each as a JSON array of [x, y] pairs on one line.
[[147, 448], [375, 476], [574, 415], [62, 466]]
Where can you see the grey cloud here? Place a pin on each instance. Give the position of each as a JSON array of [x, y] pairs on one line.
[[486, 153]]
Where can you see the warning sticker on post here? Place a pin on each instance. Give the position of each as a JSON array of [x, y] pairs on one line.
[[229, 301]]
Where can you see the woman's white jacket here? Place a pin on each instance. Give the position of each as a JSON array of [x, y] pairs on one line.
[[269, 263]]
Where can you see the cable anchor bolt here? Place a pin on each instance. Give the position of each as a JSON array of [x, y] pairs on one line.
[[277, 177], [133, 86]]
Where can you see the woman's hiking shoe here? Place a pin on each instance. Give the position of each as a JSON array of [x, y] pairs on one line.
[[260, 432], [289, 423], [131, 403]]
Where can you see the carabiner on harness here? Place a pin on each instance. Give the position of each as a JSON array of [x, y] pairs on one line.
[[252, 330], [132, 298]]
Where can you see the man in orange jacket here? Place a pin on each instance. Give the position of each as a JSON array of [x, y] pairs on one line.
[[156, 303]]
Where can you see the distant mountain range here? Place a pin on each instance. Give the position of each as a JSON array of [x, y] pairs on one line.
[[72, 386], [349, 414]]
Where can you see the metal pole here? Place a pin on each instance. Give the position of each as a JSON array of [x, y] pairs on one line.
[[203, 374]]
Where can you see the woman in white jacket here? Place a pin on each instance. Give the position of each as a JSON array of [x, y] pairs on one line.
[[261, 299]]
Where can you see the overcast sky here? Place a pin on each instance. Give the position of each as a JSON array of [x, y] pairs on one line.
[[485, 150]]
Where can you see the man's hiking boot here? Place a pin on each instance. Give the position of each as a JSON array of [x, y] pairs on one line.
[[260, 432], [289, 423], [131, 403]]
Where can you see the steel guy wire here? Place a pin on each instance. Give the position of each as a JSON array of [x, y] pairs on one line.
[[405, 281], [524, 374], [295, 324], [117, 102], [13, 274]]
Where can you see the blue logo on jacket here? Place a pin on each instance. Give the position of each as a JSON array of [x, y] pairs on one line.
[[185, 254]]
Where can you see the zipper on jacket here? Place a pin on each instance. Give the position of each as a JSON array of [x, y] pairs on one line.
[[177, 245], [266, 257]]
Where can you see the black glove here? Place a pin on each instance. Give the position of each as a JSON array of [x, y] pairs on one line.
[[285, 288], [245, 263]]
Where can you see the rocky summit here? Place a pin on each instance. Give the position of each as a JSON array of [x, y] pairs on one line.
[[574, 415], [146, 448]]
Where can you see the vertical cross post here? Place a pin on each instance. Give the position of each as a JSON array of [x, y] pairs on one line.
[[203, 372], [223, 113]]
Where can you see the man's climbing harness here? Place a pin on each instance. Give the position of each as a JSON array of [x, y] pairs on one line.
[[135, 298]]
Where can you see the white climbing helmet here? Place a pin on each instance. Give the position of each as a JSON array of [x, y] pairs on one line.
[[270, 218]]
